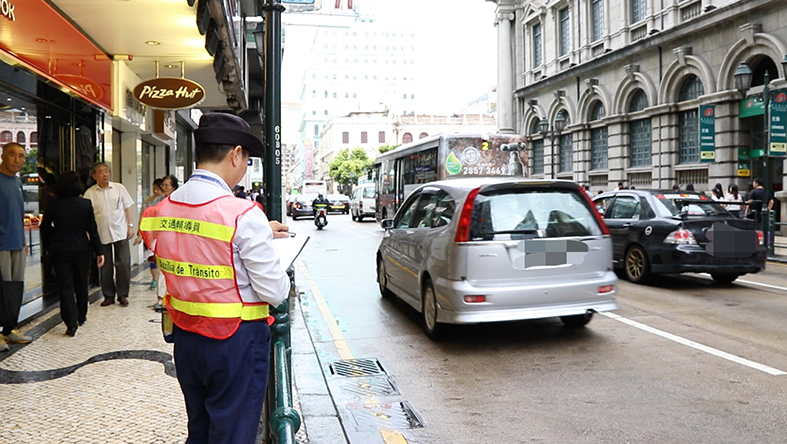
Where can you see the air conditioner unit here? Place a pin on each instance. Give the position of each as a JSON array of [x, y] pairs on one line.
[[203, 16]]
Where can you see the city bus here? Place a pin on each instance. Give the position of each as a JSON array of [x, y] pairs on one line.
[[398, 172], [314, 187]]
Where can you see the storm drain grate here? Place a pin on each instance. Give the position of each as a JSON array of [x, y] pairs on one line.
[[394, 416], [356, 367], [372, 386]]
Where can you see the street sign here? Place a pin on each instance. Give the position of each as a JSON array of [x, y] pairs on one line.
[[707, 133], [778, 124]]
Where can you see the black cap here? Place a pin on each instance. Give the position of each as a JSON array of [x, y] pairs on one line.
[[227, 129]]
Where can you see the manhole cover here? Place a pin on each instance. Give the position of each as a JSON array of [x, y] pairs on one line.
[[356, 367], [373, 386], [394, 416]]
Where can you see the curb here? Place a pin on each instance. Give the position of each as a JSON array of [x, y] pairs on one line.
[[319, 417]]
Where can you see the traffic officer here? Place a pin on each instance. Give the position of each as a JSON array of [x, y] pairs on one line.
[[222, 271]]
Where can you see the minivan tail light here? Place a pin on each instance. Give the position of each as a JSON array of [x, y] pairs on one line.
[[465, 217], [681, 237], [606, 289], [474, 298], [596, 214], [761, 237]]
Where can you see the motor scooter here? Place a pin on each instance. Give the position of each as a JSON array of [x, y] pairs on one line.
[[320, 216]]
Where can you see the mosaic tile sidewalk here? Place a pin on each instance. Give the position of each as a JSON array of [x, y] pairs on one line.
[[111, 383]]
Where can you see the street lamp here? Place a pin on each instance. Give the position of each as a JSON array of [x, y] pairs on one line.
[[557, 128], [743, 77]]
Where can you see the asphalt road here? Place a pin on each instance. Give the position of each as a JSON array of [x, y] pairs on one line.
[[683, 360]]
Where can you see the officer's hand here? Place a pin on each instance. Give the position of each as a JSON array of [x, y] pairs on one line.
[[279, 229]]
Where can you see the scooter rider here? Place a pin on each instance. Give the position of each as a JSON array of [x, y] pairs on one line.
[[320, 202]]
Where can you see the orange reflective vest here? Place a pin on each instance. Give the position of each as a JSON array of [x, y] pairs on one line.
[[193, 247]]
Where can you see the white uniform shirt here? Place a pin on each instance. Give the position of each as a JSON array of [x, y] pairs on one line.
[[257, 270], [109, 206]]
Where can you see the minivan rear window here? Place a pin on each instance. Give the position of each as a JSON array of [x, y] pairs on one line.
[[368, 193], [517, 214]]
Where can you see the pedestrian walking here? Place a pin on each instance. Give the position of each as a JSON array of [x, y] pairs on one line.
[[717, 194], [70, 235], [154, 271], [587, 191], [112, 208], [13, 248], [219, 303], [733, 196]]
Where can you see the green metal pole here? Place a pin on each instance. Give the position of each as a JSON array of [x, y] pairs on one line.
[[272, 10], [764, 213]]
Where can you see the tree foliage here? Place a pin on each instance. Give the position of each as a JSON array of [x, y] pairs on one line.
[[348, 166], [386, 148]]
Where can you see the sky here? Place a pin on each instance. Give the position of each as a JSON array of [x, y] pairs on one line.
[[458, 49]]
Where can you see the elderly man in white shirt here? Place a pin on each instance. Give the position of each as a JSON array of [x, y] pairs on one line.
[[112, 207]]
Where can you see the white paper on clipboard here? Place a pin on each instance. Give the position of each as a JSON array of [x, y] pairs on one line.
[[289, 248]]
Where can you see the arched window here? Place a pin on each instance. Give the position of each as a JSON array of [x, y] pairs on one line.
[[407, 138], [6, 136], [640, 133], [598, 112], [566, 152], [34, 138], [20, 138], [688, 122], [422, 135], [639, 102], [599, 148]]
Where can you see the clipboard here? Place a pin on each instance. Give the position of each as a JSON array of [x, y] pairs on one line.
[[289, 248]]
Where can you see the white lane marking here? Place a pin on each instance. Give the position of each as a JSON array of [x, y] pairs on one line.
[[761, 285], [695, 345], [373, 233]]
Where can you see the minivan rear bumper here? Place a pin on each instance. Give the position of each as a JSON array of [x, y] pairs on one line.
[[568, 299]]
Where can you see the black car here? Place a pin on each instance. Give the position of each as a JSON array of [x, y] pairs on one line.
[[656, 232]]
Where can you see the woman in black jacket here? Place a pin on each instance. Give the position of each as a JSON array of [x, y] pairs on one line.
[[69, 230]]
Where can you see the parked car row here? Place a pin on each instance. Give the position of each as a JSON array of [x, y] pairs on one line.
[[489, 249]]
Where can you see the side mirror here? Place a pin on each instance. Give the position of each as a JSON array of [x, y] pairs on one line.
[[387, 224]]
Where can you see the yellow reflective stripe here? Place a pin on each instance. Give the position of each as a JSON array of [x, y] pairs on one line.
[[225, 310], [187, 269], [188, 226]]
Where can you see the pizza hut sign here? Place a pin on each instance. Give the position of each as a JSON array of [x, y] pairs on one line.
[[169, 93]]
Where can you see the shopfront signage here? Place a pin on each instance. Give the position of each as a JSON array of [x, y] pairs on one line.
[[707, 133], [170, 93], [7, 9], [743, 162], [164, 123], [778, 124], [46, 43], [750, 107]]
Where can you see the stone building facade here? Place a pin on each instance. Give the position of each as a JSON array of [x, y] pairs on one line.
[[629, 76]]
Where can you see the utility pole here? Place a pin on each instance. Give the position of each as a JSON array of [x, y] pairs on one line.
[[271, 12]]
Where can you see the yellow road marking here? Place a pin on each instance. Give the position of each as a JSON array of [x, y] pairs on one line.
[[389, 436]]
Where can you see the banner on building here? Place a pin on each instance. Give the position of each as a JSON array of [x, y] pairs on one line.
[[707, 133], [778, 124]]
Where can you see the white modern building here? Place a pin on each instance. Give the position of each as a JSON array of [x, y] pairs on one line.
[[627, 80]]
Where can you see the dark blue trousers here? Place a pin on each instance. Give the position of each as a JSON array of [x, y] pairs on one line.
[[223, 383]]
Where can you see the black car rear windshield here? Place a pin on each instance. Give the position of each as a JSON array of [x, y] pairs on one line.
[[689, 205], [517, 214]]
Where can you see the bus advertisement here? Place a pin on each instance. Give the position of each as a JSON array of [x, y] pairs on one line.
[[400, 171]]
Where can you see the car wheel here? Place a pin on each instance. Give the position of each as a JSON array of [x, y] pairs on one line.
[[637, 265], [577, 321], [294, 217], [360, 218], [382, 279], [433, 328], [724, 278]]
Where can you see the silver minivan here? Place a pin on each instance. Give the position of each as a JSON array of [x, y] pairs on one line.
[[362, 202], [498, 249]]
